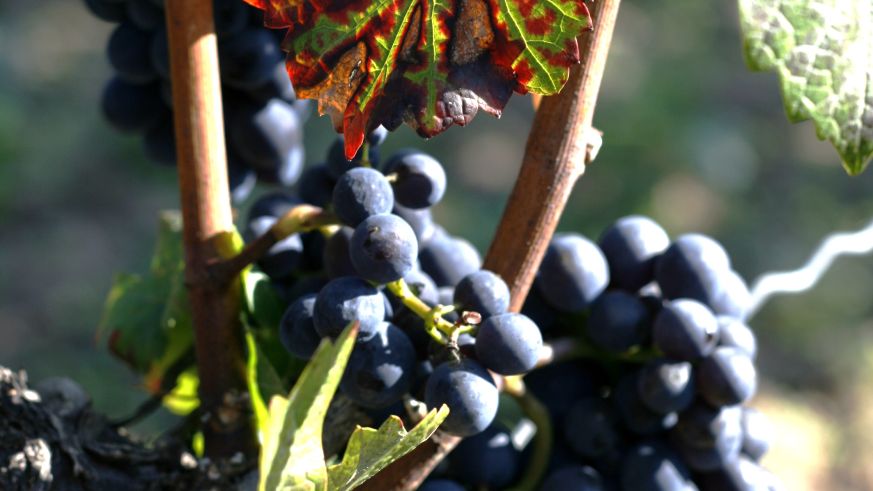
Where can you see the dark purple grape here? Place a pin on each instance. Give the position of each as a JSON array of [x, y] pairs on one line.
[[487, 460], [483, 292], [757, 433], [735, 333], [727, 377], [282, 260], [144, 14], [631, 246], [381, 368], [269, 139], [383, 248], [666, 386], [132, 107], [708, 437], [636, 416], [469, 392], [574, 478], [297, 329], [654, 467], [685, 330], [419, 179], [449, 259], [618, 321], [347, 299], [337, 261], [108, 10], [591, 429], [508, 344], [692, 267], [248, 58], [361, 193], [421, 222], [316, 186], [573, 273], [128, 53]]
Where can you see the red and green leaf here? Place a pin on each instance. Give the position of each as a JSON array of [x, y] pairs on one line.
[[429, 63]]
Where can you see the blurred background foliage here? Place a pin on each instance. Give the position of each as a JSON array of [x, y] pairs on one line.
[[692, 139]]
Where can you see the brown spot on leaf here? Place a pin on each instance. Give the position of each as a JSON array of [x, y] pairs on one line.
[[337, 89]]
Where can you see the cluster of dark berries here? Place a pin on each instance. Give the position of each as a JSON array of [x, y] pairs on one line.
[[263, 120]]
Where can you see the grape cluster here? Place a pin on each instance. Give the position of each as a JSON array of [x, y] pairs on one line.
[[263, 120], [653, 398], [433, 325]]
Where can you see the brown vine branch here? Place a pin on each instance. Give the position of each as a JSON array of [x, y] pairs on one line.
[[560, 144], [207, 225]]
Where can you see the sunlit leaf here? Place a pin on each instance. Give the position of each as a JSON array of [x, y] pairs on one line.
[[823, 53], [430, 64], [291, 453], [369, 450]]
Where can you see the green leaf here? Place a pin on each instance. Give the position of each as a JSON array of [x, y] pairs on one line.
[[183, 399], [291, 453], [448, 58], [823, 53], [146, 318], [262, 301], [369, 451], [263, 383]]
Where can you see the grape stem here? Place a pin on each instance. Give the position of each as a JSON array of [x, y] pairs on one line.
[[536, 412], [301, 218], [561, 142], [436, 326]]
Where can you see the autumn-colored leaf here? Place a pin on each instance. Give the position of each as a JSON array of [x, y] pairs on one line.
[[429, 63]]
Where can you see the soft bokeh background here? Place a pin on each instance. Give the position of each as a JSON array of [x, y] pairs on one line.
[[691, 138]]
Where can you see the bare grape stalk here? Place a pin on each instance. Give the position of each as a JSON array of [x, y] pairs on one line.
[[805, 277]]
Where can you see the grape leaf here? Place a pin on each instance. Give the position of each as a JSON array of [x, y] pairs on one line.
[[430, 64], [146, 317], [823, 53], [291, 454], [263, 382], [369, 450]]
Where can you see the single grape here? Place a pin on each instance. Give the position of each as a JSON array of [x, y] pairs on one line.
[[248, 58], [574, 478], [268, 138], [316, 186], [419, 179], [509, 344], [636, 416], [735, 333], [107, 10], [241, 180], [337, 261], [276, 87], [757, 433], [486, 460], [618, 321], [144, 14], [441, 485], [132, 107], [383, 248], [297, 330], [591, 430], [573, 273], [727, 377], [421, 222], [666, 386], [230, 16], [708, 437], [449, 259], [732, 298], [631, 246], [692, 267], [685, 330], [381, 368], [347, 299], [739, 475], [483, 292], [128, 53], [469, 392], [654, 467], [361, 193]]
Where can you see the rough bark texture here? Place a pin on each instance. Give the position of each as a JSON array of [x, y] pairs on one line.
[[51, 439]]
